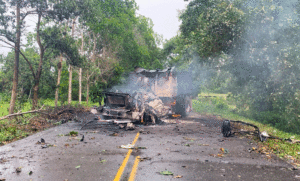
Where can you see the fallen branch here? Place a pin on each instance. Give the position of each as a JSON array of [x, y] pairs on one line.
[[21, 113]]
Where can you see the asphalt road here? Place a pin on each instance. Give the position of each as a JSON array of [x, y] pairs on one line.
[[187, 148]]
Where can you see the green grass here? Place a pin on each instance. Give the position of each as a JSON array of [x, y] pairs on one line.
[[4, 106], [213, 94], [220, 106], [49, 102], [10, 130]]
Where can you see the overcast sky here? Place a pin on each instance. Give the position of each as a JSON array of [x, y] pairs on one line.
[[164, 14]]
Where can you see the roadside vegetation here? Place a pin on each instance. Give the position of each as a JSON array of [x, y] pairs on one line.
[[22, 126], [222, 105]]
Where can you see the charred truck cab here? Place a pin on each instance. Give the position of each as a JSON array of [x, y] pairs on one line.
[[116, 105], [153, 94]]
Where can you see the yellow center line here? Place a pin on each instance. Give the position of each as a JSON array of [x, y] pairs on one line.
[[122, 167], [134, 168], [136, 138]]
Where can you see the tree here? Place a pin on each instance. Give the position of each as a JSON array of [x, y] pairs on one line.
[[212, 26], [11, 35], [255, 46]]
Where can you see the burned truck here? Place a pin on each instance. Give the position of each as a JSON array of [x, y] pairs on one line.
[[171, 86], [148, 96]]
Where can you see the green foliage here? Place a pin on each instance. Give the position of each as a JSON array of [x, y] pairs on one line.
[[61, 44], [73, 133], [254, 49], [130, 36], [212, 26], [210, 104], [9, 131]]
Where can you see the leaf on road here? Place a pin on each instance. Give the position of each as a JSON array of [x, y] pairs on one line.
[[114, 134], [224, 150], [189, 139], [166, 172], [78, 166], [73, 133], [178, 176], [102, 161]]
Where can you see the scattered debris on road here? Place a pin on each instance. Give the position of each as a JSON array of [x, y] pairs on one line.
[[226, 130], [114, 134], [2, 160], [178, 176], [140, 147], [129, 146], [77, 167], [189, 139], [145, 158], [82, 139], [102, 160], [19, 169], [130, 126], [224, 150]]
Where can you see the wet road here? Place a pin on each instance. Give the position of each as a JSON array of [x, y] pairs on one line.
[[188, 148]]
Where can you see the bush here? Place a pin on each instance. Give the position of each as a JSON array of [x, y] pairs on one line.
[[220, 103], [4, 97]]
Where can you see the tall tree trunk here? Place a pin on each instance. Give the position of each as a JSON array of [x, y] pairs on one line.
[[40, 67], [70, 85], [16, 66], [59, 68], [80, 70], [35, 94], [70, 70], [87, 92], [80, 84]]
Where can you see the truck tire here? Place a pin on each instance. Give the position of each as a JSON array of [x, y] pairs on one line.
[[180, 106]]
